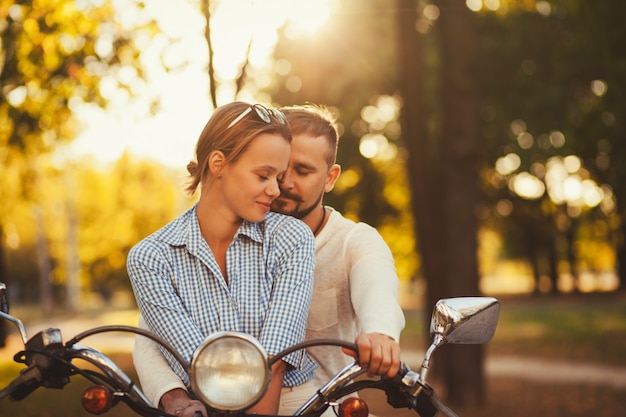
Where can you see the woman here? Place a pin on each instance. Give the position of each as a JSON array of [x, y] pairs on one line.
[[228, 263]]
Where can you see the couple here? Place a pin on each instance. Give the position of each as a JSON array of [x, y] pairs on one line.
[[229, 263]]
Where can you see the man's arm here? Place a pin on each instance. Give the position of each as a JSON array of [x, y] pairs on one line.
[[380, 353], [374, 294], [177, 402], [155, 374], [158, 381]]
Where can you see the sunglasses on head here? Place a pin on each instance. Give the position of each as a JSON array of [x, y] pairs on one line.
[[264, 114]]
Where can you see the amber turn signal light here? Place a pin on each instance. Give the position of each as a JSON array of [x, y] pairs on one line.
[[97, 399], [353, 407]]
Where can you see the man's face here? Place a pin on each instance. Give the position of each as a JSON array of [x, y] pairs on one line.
[[307, 177]]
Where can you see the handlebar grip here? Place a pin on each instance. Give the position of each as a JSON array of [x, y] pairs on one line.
[[22, 386]]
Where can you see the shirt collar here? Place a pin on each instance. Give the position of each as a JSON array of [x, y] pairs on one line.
[[185, 230]]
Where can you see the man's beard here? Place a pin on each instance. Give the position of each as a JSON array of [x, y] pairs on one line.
[[298, 211]]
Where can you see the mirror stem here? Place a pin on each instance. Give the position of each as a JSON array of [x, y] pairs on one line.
[[18, 324], [438, 340]]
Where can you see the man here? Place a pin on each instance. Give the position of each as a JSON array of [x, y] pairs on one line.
[[355, 290]]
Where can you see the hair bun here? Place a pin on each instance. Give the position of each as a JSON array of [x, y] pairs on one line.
[[192, 168]]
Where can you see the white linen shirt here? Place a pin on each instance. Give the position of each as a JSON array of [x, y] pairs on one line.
[[355, 290], [183, 296]]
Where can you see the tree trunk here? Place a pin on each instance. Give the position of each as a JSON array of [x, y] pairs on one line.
[[43, 261], [421, 166], [205, 8], [3, 277], [460, 158], [533, 259], [443, 178], [72, 285], [620, 254], [553, 267]]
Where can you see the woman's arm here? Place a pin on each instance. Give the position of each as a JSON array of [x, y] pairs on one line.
[[160, 305], [292, 286]]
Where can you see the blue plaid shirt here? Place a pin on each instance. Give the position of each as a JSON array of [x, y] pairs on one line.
[[183, 297]]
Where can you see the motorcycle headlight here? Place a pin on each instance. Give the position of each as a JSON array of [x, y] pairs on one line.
[[230, 371]]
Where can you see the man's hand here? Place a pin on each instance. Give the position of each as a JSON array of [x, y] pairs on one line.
[[178, 403], [379, 353]]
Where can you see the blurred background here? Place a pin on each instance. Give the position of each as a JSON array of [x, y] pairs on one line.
[[483, 138]]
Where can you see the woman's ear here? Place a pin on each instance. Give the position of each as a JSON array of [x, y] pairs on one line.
[[216, 161]]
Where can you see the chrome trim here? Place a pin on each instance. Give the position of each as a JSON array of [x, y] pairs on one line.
[[122, 381], [340, 380], [18, 324]]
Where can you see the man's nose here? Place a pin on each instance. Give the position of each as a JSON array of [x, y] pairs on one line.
[[286, 181]]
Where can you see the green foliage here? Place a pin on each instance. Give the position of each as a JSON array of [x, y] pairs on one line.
[[117, 209], [340, 67], [349, 65], [556, 67], [545, 67], [54, 55], [110, 209]]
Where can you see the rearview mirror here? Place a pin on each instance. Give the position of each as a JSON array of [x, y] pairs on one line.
[[465, 320], [461, 320]]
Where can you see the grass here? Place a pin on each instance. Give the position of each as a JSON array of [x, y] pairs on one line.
[[579, 327], [588, 328]]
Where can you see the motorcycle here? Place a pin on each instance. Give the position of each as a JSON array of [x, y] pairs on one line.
[[230, 371]]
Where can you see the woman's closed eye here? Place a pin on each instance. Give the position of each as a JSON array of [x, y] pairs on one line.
[[263, 174], [270, 177]]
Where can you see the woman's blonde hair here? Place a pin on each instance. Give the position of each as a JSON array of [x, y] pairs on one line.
[[220, 134]]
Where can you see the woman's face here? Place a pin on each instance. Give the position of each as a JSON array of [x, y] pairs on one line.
[[250, 184]]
